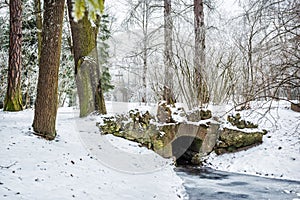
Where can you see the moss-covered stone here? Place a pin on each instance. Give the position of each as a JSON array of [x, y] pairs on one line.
[[134, 126], [234, 140], [197, 115], [140, 120], [164, 113], [205, 114], [141, 127], [236, 120], [168, 131], [157, 144]]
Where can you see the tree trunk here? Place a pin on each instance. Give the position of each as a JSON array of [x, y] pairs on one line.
[[168, 95], [13, 98], [99, 98], [145, 67], [87, 70], [39, 24], [201, 90], [47, 100], [145, 24]]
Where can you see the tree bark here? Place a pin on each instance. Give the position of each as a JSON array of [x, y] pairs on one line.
[[47, 99], [13, 98], [201, 89], [168, 95], [145, 68], [145, 24], [87, 70]]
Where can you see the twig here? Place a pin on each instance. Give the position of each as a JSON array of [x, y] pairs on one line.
[[9, 166]]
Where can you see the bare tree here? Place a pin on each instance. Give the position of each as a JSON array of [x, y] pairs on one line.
[[168, 95], [140, 17], [199, 55], [269, 49]]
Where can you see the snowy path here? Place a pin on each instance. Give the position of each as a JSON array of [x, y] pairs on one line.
[[69, 168]]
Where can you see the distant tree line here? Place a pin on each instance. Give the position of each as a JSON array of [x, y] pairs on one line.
[[209, 55]]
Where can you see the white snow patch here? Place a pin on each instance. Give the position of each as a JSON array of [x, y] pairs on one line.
[[124, 107], [70, 167], [279, 155]]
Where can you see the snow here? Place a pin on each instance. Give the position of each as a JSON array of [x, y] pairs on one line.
[[124, 107], [79, 164], [82, 164], [279, 154]]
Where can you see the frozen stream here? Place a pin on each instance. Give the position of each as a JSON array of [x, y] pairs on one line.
[[205, 183]]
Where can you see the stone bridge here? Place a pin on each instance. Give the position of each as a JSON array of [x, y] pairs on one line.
[[196, 138], [166, 139], [181, 139]]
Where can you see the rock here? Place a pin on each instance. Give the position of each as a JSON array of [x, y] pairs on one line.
[[158, 144], [110, 126], [145, 119], [134, 126], [205, 114], [210, 138], [236, 120], [164, 114], [196, 160], [197, 115], [234, 140], [179, 114], [295, 107]]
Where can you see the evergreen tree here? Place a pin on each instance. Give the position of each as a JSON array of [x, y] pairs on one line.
[[13, 98], [46, 102], [4, 44], [103, 49], [30, 57], [29, 54]]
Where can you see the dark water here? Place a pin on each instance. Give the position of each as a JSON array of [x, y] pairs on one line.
[[206, 184]]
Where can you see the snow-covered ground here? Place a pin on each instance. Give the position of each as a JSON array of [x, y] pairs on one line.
[[80, 163], [279, 155]]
